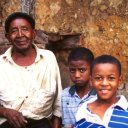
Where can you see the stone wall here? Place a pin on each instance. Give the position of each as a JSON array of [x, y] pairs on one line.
[[101, 25]]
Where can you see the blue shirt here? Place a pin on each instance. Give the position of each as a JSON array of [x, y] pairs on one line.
[[71, 102], [116, 116]]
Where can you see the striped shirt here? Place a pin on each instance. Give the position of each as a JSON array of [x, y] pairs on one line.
[[70, 103], [115, 116]]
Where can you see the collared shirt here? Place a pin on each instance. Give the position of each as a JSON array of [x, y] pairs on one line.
[[71, 102], [116, 116], [34, 90]]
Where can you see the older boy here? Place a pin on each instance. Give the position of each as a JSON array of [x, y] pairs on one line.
[[79, 61], [109, 110]]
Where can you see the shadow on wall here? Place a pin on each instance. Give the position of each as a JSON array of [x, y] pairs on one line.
[[61, 45]]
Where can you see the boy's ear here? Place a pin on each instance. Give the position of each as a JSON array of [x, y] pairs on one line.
[[90, 81], [34, 33], [120, 79], [121, 85]]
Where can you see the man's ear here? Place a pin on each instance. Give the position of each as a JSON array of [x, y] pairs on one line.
[[7, 36], [34, 33]]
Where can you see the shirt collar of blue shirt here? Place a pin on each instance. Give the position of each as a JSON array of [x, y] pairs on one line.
[[122, 102], [72, 91]]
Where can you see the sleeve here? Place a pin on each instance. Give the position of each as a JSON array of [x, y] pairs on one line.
[[66, 120], [64, 108], [58, 88]]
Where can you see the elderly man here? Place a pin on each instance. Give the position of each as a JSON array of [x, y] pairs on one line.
[[30, 84]]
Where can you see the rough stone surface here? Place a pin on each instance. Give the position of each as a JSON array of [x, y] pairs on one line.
[[102, 26]]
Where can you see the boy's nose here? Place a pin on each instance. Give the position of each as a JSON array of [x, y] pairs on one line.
[[104, 82], [77, 74]]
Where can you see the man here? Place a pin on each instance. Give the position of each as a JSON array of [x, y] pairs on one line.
[[30, 85]]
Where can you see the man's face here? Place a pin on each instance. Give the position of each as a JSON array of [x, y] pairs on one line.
[[79, 72], [20, 34]]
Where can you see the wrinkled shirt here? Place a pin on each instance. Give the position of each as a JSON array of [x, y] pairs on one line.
[[34, 90]]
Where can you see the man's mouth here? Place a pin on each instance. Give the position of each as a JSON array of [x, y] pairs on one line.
[[21, 42]]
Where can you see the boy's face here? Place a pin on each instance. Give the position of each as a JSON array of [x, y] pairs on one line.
[[79, 72], [105, 79]]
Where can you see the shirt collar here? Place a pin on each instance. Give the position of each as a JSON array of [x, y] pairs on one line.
[[72, 91], [39, 53], [7, 54], [122, 102]]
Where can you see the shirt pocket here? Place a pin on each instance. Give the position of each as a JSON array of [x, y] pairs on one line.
[[41, 102]]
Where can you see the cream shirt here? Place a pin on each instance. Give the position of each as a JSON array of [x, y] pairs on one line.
[[34, 90]]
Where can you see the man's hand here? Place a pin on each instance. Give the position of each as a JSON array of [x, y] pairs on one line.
[[56, 122], [13, 117]]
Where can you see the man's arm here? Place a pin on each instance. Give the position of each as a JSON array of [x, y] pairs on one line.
[[56, 119]]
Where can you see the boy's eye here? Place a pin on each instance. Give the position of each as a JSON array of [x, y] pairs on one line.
[[82, 70], [111, 78], [72, 70], [98, 78]]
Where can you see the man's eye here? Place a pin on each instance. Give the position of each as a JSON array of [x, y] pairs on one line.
[[24, 29], [14, 30]]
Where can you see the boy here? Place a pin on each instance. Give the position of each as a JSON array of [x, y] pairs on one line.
[[79, 61], [108, 110]]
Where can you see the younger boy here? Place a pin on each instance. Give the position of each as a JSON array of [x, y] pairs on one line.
[[79, 61], [108, 110]]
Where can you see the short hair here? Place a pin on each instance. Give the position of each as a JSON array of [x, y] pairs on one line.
[[106, 59], [17, 15], [81, 53]]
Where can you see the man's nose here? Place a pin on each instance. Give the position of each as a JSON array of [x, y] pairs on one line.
[[20, 33]]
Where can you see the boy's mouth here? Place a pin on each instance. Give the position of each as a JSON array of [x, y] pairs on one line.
[[104, 91]]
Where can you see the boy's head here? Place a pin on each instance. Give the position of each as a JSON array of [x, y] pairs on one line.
[[106, 76], [103, 59], [81, 53], [79, 61]]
